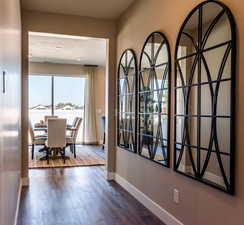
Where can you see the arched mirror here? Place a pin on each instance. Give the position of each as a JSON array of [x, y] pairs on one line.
[[153, 111], [127, 101], [204, 96]]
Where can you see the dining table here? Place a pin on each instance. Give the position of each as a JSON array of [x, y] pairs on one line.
[[43, 127]]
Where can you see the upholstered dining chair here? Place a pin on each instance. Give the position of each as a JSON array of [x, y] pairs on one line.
[[74, 122], [35, 139], [70, 127], [71, 139], [103, 124], [46, 118], [56, 137]]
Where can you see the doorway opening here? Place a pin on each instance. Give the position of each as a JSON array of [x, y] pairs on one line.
[[66, 83]]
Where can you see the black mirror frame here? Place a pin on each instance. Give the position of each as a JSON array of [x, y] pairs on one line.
[[118, 101], [230, 187], [169, 97]]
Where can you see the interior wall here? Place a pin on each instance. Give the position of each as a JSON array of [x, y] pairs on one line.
[[199, 203], [80, 26], [55, 69], [10, 142]]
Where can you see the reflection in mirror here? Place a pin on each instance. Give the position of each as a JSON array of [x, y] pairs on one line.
[[154, 99], [127, 81], [204, 96]]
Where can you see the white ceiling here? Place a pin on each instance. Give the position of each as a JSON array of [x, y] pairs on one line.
[[66, 49], [107, 9]]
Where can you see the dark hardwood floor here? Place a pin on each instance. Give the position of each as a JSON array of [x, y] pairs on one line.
[[95, 148], [79, 196]]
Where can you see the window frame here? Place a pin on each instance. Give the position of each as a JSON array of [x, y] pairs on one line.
[[197, 171], [135, 94], [52, 87], [167, 161]]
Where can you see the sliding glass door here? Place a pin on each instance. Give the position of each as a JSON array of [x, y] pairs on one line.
[[40, 97], [62, 96], [69, 99]]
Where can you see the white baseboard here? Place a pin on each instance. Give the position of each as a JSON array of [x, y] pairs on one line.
[[110, 176], [156, 209], [18, 203], [25, 181]]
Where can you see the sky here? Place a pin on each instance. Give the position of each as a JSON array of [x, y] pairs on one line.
[[66, 89]]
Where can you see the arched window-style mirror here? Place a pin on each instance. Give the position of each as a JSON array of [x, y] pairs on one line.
[[153, 111], [127, 101], [204, 96]]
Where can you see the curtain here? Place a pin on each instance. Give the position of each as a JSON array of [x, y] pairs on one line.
[[89, 120]]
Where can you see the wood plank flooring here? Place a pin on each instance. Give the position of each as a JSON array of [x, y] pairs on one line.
[[79, 196], [95, 148]]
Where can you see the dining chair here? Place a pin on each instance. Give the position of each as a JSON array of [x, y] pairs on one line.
[[35, 139], [46, 118], [71, 126], [74, 122], [56, 136], [103, 124], [71, 139]]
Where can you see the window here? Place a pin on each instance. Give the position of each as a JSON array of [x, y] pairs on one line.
[[56, 95], [40, 97], [69, 99]]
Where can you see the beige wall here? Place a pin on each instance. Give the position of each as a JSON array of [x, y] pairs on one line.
[[199, 203], [10, 142], [36, 68], [71, 25]]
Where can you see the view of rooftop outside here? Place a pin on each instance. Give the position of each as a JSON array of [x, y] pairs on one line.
[[68, 95]]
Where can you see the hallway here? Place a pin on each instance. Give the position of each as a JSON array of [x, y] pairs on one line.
[[79, 196]]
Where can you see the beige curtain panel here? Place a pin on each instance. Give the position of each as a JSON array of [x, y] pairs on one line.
[[89, 124]]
